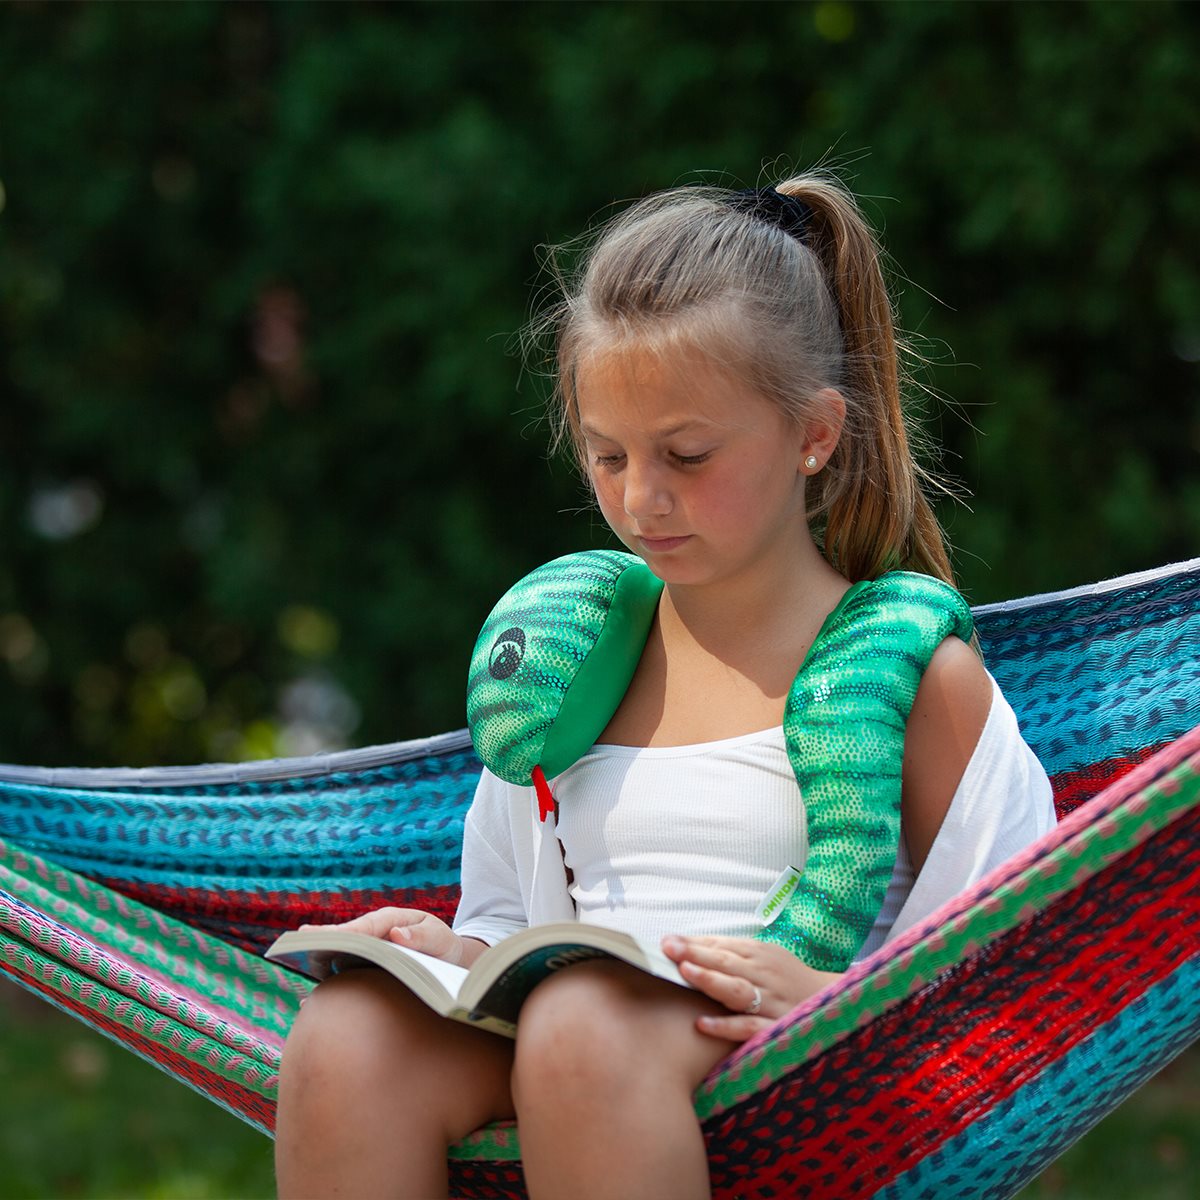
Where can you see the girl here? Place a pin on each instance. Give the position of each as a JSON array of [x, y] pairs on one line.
[[728, 376]]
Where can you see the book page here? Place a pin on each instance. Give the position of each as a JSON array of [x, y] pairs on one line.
[[447, 974], [322, 951]]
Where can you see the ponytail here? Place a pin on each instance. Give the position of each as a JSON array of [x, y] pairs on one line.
[[875, 512]]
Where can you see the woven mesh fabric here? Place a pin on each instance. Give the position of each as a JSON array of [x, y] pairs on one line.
[[918, 1080], [246, 853], [1012, 1141], [208, 1012], [1102, 676], [1046, 983]]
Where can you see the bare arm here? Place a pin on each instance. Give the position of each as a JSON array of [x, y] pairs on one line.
[[947, 719]]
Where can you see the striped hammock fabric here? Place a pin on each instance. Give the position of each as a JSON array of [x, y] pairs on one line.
[[956, 1062]]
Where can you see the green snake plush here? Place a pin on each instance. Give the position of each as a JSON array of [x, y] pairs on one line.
[[556, 655]]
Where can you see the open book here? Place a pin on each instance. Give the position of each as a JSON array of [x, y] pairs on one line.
[[490, 993]]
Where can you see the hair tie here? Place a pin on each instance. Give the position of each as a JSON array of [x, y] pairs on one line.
[[785, 212]]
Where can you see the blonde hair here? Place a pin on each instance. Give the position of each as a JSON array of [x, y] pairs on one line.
[[686, 269]]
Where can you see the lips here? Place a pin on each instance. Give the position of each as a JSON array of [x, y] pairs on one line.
[[659, 545]]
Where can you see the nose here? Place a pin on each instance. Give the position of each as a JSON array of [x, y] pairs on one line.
[[646, 490]]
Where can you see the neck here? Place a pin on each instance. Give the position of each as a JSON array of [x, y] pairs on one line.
[[777, 608]]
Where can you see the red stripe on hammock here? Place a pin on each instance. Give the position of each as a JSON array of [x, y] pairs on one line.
[[252, 919], [1072, 788], [864, 1113]]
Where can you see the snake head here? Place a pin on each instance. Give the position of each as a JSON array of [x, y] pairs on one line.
[[554, 659]]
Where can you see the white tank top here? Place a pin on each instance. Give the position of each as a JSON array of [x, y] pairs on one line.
[[689, 839], [692, 839]]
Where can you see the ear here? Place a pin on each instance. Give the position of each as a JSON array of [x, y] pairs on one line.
[[822, 430]]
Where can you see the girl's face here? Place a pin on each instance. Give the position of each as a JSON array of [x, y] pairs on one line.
[[695, 472]]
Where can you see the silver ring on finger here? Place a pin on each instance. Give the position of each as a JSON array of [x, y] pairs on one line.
[[752, 1008]]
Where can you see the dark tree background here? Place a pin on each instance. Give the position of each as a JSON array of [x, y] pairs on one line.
[[266, 456]]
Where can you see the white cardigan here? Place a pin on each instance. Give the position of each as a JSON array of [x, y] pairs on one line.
[[513, 873]]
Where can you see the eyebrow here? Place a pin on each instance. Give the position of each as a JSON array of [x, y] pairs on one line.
[[680, 427]]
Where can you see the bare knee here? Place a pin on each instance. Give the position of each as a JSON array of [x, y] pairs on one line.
[[361, 1030], [568, 1016], [609, 1057], [594, 1027], [353, 1026], [372, 1077]]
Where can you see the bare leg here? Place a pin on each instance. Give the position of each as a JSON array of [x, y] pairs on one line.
[[374, 1087], [607, 1061]]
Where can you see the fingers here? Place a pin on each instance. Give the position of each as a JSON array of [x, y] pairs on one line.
[[407, 927], [735, 992], [677, 946], [429, 935], [377, 923], [382, 921], [736, 1028], [718, 954]]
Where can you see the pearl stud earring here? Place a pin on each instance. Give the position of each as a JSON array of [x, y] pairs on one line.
[[811, 462]]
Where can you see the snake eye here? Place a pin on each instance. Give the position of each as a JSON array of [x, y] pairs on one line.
[[507, 653]]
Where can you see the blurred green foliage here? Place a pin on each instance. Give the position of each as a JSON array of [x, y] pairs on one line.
[[266, 458]]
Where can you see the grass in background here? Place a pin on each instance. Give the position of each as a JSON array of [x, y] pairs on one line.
[[82, 1117]]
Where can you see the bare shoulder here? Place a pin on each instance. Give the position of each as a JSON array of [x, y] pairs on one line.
[[944, 727], [955, 690]]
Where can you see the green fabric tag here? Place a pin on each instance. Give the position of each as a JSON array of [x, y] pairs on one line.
[[776, 899]]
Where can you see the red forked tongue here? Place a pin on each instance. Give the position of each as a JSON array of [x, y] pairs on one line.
[[546, 801]]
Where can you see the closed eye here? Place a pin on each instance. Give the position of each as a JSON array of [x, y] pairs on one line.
[[614, 461]]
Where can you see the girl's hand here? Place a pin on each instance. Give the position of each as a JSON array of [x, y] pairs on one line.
[[408, 927], [737, 971]]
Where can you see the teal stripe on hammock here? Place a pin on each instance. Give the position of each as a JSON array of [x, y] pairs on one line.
[[1004, 1148], [310, 836], [244, 812], [1111, 720], [1145, 693], [1131, 603], [1104, 666], [228, 787], [338, 877], [269, 840], [381, 865], [1109, 649]]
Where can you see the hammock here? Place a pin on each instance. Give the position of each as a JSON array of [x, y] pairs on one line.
[[955, 1062]]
